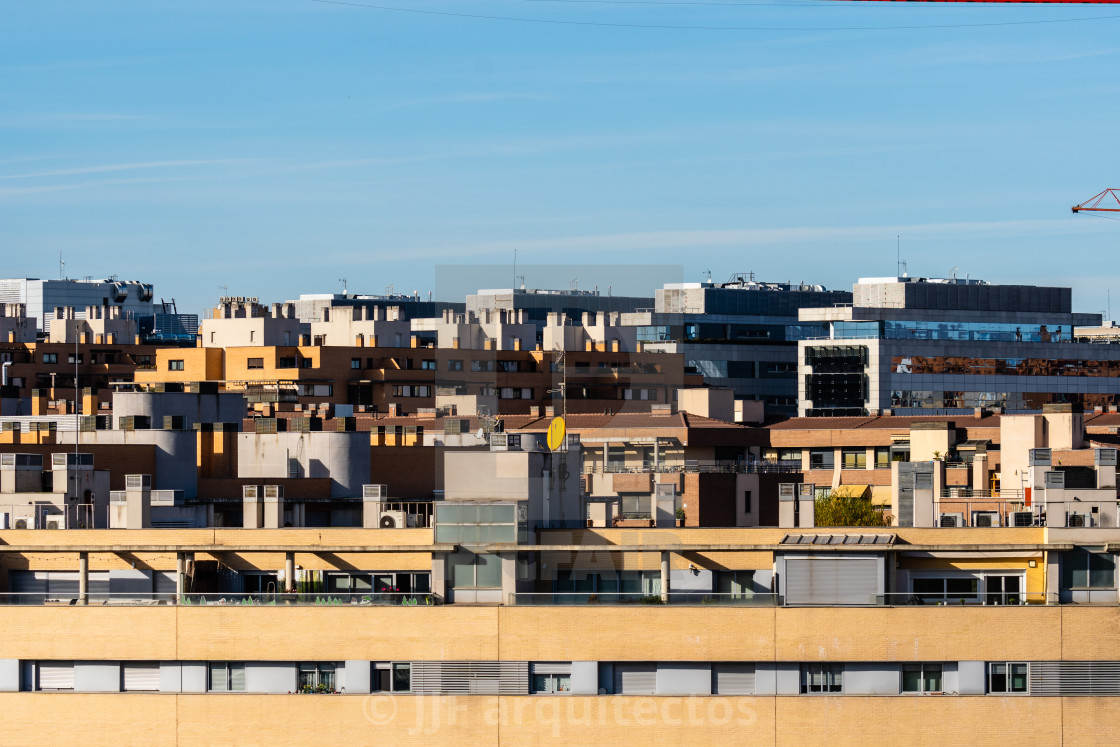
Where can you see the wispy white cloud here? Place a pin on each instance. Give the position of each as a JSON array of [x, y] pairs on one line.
[[461, 98], [63, 118], [107, 168], [646, 241]]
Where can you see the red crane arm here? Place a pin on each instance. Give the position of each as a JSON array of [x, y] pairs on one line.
[[1109, 197]]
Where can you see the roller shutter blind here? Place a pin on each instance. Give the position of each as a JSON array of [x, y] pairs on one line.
[[832, 581], [635, 679], [139, 676], [1075, 678], [733, 679], [471, 677], [552, 667], [56, 675]]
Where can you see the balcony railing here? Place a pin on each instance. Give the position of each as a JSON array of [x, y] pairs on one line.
[[697, 466], [71, 597], [49, 516], [687, 598]]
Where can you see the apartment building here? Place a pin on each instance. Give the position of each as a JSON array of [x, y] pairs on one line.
[[913, 345], [700, 636], [741, 334]]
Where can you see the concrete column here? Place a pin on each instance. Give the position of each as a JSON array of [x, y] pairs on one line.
[[439, 575], [289, 570], [180, 572], [665, 576], [83, 578]]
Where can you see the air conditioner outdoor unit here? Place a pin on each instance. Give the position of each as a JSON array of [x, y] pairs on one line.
[[951, 521], [985, 518], [1078, 520], [393, 520], [1021, 519], [249, 491], [274, 492], [21, 523], [54, 524]]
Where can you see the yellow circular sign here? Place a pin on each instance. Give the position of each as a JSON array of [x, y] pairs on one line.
[[556, 432]]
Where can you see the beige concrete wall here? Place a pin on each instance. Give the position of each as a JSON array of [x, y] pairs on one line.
[[112, 720]]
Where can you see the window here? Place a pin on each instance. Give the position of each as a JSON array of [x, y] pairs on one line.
[[923, 678], [855, 458], [355, 363], [732, 678], [1002, 590], [552, 677], [55, 675], [746, 501], [72, 359], [391, 677], [790, 458], [140, 676], [50, 357], [427, 365], [735, 583], [307, 363], [316, 677], [478, 366], [1085, 569], [1007, 677], [287, 361], [227, 676], [822, 459], [882, 457], [175, 365], [254, 363], [941, 590], [455, 365], [508, 366], [822, 678], [469, 570], [635, 678]]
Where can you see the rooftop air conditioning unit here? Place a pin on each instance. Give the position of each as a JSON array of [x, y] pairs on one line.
[[951, 521], [1078, 520], [274, 492], [249, 491], [393, 520], [137, 482], [21, 523], [54, 524], [985, 518], [375, 491], [1021, 519]]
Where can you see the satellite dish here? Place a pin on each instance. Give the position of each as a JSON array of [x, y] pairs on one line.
[[481, 433]]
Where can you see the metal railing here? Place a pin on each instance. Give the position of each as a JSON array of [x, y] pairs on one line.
[[684, 598], [989, 599], [415, 513], [49, 516], [71, 597], [691, 466]]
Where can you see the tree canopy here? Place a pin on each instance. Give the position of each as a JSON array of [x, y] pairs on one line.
[[833, 510]]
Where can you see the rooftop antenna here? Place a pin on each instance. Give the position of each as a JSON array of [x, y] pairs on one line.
[[343, 281], [521, 279], [953, 273], [389, 289], [574, 285], [898, 256], [515, 268], [61, 267]]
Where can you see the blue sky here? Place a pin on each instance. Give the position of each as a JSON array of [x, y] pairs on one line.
[[275, 147]]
